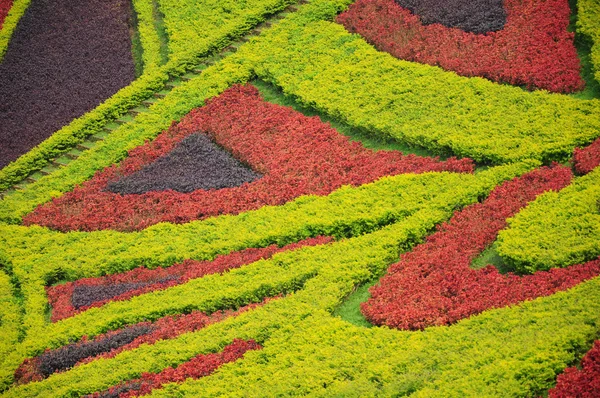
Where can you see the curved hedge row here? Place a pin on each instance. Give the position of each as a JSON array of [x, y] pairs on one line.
[[558, 229], [340, 74]]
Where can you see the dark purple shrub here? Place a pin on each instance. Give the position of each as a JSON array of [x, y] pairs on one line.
[[195, 163], [64, 59], [477, 16]]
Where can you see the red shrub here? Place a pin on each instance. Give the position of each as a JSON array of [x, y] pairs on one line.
[[197, 367], [534, 49], [297, 155], [434, 284], [580, 383], [588, 158], [5, 6]]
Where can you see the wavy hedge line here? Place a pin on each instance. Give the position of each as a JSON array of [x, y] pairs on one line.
[[312, 352], [238, 287], [340, 74], [215, 37], [588, 23], [10, 23], [558, 229]]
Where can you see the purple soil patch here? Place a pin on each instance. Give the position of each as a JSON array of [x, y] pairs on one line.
[[86, 295], [477, 16], [64, 59], [66, 357], [195, 163]]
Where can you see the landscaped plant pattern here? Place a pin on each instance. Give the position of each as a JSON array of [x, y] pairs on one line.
[[149, 293]]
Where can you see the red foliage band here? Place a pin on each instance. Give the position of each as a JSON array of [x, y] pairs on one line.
[[197, 367], [581, 383], [164, 328], [434, 284]]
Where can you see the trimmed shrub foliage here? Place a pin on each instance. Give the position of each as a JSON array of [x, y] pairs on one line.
[[557, 230]]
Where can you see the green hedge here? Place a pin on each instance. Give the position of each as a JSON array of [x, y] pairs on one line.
[[148, 35], [509, 352], [188, 21], [11, 21], [588, 23], [338, 73], [558, 229]]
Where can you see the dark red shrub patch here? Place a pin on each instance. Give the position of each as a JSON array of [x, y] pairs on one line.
[[5, 6], [73, 297], [64, 58], [580, 383], [533, 49], [588, 158], [297, 155], [114, 342], [199, 366], [434, 284], [477, 16]]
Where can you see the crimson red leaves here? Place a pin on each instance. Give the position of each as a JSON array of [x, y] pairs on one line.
[[5, 6], [533, 49], [112, 343], [73, 297], [434, 284], [297, 155], [581, 383], [64, 58], [199, 366], [588, 158]]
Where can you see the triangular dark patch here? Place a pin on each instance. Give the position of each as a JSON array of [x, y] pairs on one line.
[[477, 16], [195, 163]]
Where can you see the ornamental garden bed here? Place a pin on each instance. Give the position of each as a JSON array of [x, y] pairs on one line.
[[324, 197]]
